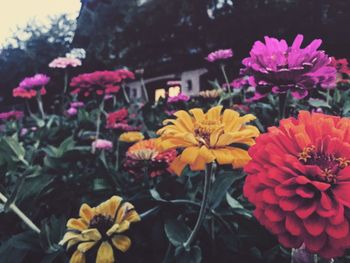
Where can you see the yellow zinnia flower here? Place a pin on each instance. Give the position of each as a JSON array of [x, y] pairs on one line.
[[101, 225], [131, 137], [208, 137]]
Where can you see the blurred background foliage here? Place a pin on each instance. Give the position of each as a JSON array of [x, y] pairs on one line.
[[170, 36]]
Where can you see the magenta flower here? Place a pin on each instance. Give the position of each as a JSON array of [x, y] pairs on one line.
[[102, 144], [64, 62], [179, 98], [77, 104], [37, 81], [72, 111], [11, 115], [220, 54], [278, 67]]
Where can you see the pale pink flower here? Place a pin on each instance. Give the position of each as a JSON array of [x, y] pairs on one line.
[[102, 144], [220, 54], [64, 62], [72, 111]]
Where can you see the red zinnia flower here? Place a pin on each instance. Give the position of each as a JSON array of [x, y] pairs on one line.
[[119, 116], [26, 93], [299, 181]]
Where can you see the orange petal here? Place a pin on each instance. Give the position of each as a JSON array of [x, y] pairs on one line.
[[86, 212], [189, 155], [177, 166]]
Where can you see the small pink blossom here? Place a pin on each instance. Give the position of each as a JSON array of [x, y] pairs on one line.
[[72, 111], [220, 54], [77, 104], [64, 62], [181, 97], [102, 144]]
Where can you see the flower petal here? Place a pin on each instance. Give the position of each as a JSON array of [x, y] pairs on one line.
[[189, 155], [85, 246], [77, 257], [86, 212], [105, 253], [121, 242], [177, 166]]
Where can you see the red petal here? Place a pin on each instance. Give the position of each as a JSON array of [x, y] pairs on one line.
[[274, 213], [341, 191], [269, 197], [305, 192], [306, 210], [315, 224], [321, 186], [289, 241], [338, 231], [289, 204], [294, 225], [314, 244], [326, 201]]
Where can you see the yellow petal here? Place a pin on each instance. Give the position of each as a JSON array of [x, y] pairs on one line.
[[198, 165], [214, 113], [225, 139], [121, 242], [132, 216], [123, 226], [206, 154], [223, 156], [190, 154], [91, 234], [229, 118], [78, 224], [241, 158], [86, 212], [198, 114], [177, 165], [214, 137], [85, 246], [68, 236], [77, 257], [105, 253], [72, 242], [185, 119]]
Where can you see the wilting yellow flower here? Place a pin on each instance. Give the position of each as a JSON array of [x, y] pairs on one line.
[[208, 137], [131, 137], [101, 225], [211, 94]]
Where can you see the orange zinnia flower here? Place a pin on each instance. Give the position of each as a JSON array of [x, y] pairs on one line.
[[208, 137], [299, 181], [148, 154]]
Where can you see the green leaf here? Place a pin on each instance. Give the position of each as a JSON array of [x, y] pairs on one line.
[[13, 146], [176, 231], [233, 202], [194, 255], [222, 183], [317, 103]]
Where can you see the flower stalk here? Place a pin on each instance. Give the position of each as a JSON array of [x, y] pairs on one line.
[[222, 66], [209, 173], [98, 124], [40, 104], [282, 101], [143, 85], [20, 214]]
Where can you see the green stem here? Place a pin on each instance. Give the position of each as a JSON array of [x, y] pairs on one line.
[[65, 85], [222, 66], [98, 124], [21, 215], [209, 173], [40, 104], [117, 156], [282, 105], [125, 94], [28, 108]]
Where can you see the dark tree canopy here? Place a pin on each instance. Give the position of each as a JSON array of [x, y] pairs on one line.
[[165, 36]]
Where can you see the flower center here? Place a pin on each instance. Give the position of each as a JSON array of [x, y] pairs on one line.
[[102, 223], [328, 163], [205, 128]]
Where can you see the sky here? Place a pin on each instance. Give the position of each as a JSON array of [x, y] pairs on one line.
[[19, 12]]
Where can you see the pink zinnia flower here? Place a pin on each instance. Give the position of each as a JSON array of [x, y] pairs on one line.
[[277, 67], [72, 111], [11, 115], [181, 97], [37, 81], [102, 144], [77, 104], [220, 54], [64, 62]]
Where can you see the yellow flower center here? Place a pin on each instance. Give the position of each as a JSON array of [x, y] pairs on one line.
[[205, 128], [328, 163]]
